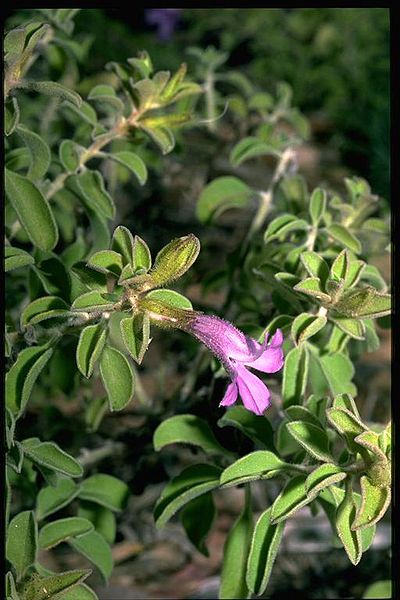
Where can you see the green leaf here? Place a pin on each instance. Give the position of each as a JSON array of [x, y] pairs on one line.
[[69, 153], [342, 235], [53, 586], [372, 275], [283, 225], [14, 42], [16, 258], [364, 303], [52, 88], [22, 376], [346, 401], [379, 589], [11, 590], [187, 429], [105, 490], [91, 301], [133, 162], [171, 298], [11, 116], [313, 439], [49, 455], [340, 266], [312, 287], [32, 209], [291, 498], [375, 501], [106, 261], [315, 265], [53, 275], [347, 424], [91, 343], [61, 530], [123, 243], [39, 153], [93, 546], [197, 529], [117, 376], [236, 550], [350, 539], [44, 308], [162, 136], [135, 332], [295, 372], [106, 94], [301, 413], [102, 518], [338, 370], [95, 412], [91, 186], [261, 464], [84, 111], [355, 329], [305, 326], [322, 477], [51, 499], [21, 544], [257, 428], [263, 550], [354, 272], [219, 195], [192, 482], [371, 441], [317, 206], [141, 254], [250, 147]]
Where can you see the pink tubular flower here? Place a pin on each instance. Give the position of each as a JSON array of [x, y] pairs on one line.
[[237, 351]]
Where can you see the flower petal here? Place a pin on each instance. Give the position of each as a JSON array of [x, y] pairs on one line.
[[231, 395], [254, 393], [271, 360]]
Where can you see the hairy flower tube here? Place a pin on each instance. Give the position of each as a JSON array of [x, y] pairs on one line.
[[236, 351]]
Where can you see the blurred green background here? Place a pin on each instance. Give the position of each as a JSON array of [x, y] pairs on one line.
[[336, 59]]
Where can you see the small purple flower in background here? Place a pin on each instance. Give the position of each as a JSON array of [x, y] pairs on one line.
[[237, 351], [165, 19]]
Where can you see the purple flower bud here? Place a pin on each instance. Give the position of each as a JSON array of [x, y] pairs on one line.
[[165, 19], [236, 351]]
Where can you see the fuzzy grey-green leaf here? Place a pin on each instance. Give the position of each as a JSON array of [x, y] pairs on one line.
[[117, 377], [32, 209]]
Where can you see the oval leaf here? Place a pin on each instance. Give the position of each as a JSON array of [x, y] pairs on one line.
[[59, 531], [49, 455], [91, 343], [313, 439], [133, 162], [263, 550], [42, 309], [187, 429], [106, 490], [53, 498], [22, 376], [33, 210], [256, 465], [93, 546], [221, 194], [191, 483], [322, 477], [117, 377], [21, 545]]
